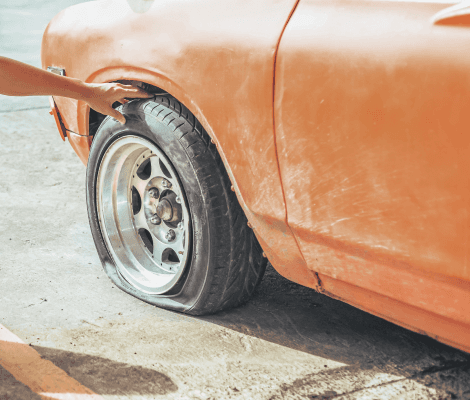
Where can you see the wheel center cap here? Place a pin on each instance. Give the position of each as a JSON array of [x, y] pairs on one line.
[[165, 210]]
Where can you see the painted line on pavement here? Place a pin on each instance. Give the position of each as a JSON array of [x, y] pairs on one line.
[[40, 375]]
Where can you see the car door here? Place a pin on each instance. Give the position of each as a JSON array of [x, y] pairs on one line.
[[372, 132]]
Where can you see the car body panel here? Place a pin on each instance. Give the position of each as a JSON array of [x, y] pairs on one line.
[[371, 112], [215, 57], [80, 144], [444, 329]]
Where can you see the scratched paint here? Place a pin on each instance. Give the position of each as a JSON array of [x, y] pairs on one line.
[[374, 153]]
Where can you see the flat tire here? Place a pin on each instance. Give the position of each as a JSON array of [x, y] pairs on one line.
[[167, 226]]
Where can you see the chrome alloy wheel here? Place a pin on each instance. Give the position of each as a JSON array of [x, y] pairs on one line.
[[143, 214]]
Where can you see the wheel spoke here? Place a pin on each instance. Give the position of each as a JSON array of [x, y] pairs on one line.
[[159, 169], [156, 169], [161, 251], [139, 185], [158, 248], [177, 245], [139, 220]]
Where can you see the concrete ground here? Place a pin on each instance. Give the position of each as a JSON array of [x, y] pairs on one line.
[[288, 342]]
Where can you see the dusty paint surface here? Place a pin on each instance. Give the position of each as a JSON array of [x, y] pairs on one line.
[[373, 139], [218, 59], [371, 131]]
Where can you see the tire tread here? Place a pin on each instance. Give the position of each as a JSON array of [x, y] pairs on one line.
[[240, 265]]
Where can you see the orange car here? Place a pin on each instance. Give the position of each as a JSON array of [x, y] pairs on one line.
[[329, 137]]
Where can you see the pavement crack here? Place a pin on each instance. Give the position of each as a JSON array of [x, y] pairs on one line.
[[309, 380], [89, 323], [35, 304], [327, 396], [24, 109], [433, 369], [293, 325]]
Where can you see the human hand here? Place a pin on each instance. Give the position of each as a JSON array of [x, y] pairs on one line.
[[101, 96]]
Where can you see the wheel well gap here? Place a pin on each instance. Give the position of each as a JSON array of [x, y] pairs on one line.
[[96, 118]]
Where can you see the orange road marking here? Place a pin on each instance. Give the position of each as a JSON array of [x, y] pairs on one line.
[[41, 376]]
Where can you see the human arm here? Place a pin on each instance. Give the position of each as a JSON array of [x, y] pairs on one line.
[[20, 79]]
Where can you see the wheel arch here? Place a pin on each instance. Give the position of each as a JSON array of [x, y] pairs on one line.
[[151, 81], [89, 120]]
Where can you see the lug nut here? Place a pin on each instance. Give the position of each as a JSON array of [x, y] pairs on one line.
[[155, 219], [180, 226], [178, 200], [170, 235], [166, 184], [154, 193]]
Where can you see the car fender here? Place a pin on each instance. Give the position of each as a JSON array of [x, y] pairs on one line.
[[215, 57]]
